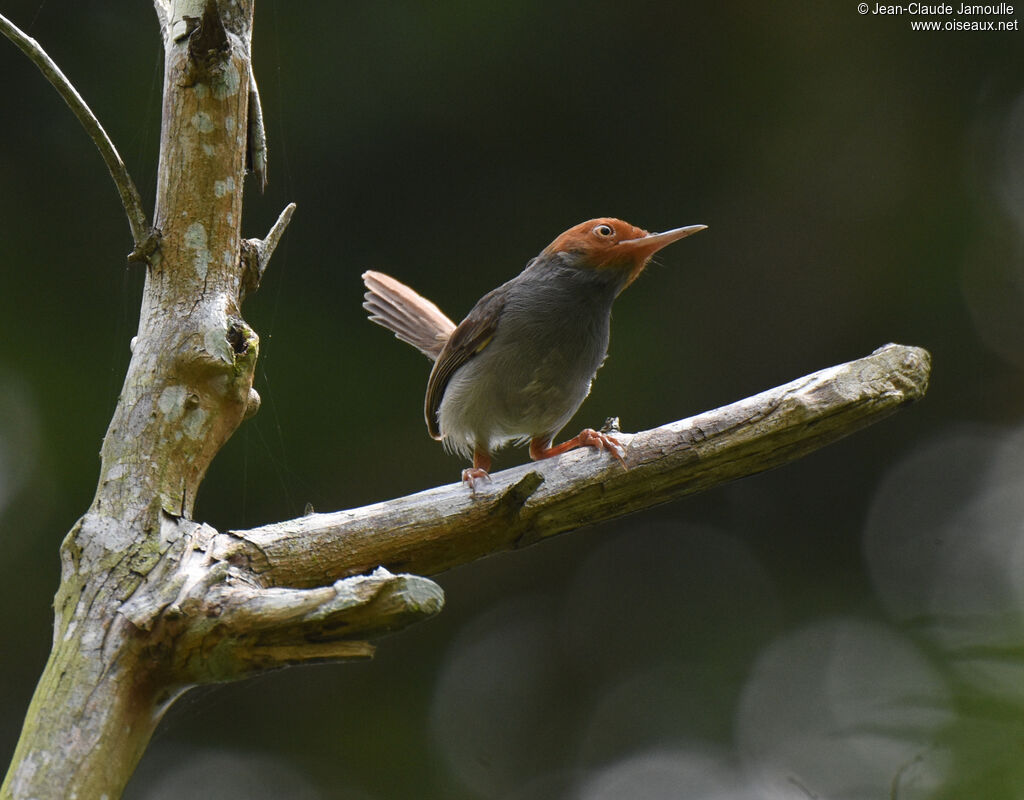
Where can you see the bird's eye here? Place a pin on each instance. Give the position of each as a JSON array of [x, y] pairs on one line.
[[604, 230]]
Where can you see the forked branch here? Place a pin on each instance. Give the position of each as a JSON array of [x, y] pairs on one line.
[[229, 605]]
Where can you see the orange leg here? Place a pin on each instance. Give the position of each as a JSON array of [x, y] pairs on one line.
[[588, 437], [481, 464]]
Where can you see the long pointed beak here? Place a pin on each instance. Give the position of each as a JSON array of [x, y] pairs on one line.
[[647, 246], [638, 252]]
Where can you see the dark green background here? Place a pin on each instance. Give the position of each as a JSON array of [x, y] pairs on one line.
[[835, 628]]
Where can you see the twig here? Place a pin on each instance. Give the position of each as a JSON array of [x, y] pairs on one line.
[[256, 147], [440, 528], [277, 230], [130, 198], [256, 253]]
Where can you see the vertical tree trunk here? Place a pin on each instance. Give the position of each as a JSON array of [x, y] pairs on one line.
[[188, 387]]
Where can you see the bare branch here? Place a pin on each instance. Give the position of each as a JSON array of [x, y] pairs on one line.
[[256, 149], [434, 530], [130, 197], [256, 253], [235, 630], [273, 237]]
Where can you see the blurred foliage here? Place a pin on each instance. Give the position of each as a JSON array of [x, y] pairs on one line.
[[793, 633]]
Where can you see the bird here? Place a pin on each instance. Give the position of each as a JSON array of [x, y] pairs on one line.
[[521, 363]]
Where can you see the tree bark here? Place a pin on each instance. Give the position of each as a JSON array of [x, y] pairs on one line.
[[151, 602], [188, 386]]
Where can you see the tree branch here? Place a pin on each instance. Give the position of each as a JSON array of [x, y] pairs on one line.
[[435, 530], [256, 149], [237, 631], [223, 606], [256, 253], [130, 197]]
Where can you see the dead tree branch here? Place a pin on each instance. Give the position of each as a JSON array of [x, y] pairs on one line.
[[130, 197], [429, 532]]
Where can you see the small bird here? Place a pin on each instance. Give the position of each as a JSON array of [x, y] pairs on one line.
[[521, 363]]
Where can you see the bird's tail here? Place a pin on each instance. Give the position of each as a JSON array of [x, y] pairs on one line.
[[409, 315]]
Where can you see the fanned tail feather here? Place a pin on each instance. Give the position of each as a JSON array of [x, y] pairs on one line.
[[407, 314]]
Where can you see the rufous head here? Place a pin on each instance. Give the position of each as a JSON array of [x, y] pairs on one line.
[[609, 243]]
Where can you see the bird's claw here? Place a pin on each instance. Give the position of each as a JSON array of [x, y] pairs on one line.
[[471, 475], [602, 441]]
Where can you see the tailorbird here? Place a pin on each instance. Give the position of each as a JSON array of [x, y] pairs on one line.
[[522, 361]]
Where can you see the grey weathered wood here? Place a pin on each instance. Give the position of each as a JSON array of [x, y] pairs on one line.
[[188, 386], [440, 528]]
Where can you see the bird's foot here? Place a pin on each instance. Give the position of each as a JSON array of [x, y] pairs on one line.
[[587, 437], [470, 475], [477, 472]]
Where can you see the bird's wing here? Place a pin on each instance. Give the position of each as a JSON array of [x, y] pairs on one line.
[[407, 314], [471, 336]]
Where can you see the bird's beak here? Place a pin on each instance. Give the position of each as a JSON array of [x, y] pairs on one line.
[[646, 246], [639, 251]]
